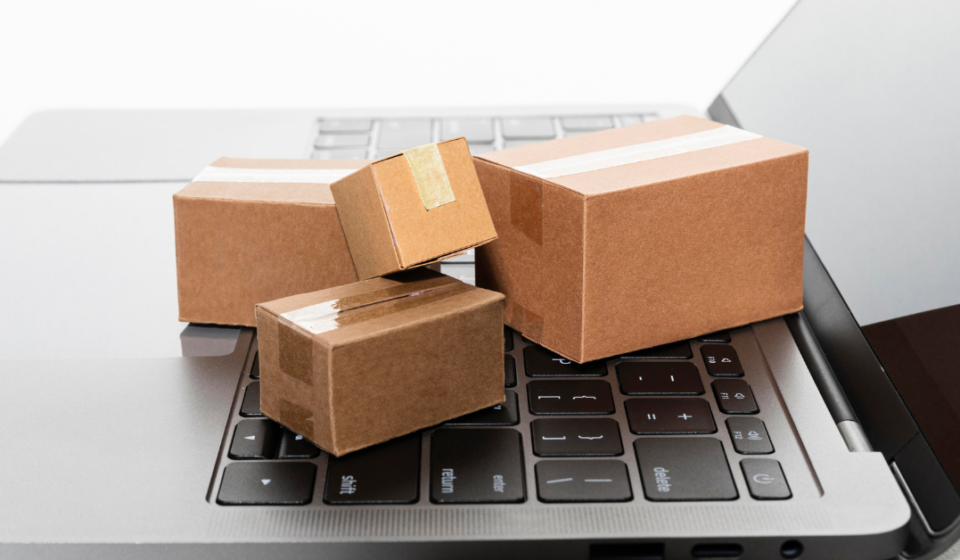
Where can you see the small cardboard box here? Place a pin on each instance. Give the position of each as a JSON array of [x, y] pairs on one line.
[[643, 235], [414, 208], [356, 365], [252, 230]]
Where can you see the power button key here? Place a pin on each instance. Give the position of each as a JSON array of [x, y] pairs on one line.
[[765, 479]]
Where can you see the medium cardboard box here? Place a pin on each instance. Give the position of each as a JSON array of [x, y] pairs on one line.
[[356, 365], [414, 208], [643, 235], [253, 230]]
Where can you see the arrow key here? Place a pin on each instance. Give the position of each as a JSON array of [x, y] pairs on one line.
[[260, 484], [295, 446], [255, 439]]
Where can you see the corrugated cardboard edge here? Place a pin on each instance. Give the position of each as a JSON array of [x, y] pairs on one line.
[[535, 328]]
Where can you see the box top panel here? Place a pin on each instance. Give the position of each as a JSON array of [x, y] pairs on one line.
[[296, 181], [642, 154], [354, 311]]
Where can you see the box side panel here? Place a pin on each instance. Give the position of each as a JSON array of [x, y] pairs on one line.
[[234, 254], [694, 255], [563, 275], [423, 235], [416, 376], [293, 378], [513, 264], [365, 224]]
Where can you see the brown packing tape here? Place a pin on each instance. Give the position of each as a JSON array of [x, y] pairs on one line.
[[526, 206], [331, 315], [297, 418], [296, 352], [528, 323]]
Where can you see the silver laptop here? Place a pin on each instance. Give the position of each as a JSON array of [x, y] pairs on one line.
[[127, 434]]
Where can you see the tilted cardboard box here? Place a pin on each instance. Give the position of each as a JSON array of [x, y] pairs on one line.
[[414, 208], [359, 364], [252, 230], [638, 236]]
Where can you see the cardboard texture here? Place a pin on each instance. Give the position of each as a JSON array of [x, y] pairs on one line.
[[360, 364], [619, 258], [245, 238], [413, 208]]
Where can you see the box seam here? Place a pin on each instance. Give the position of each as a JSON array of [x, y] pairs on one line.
[[383, 206]]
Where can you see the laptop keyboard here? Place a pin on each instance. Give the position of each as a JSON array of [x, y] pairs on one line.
[[377, 138], [690, 424]]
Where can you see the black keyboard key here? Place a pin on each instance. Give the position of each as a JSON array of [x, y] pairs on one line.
[[387, 473], [670, 416], [255, 439], [504, 414], [250, 407], [765, 479], [295, 446], [507, 339], [267, 484], [734, 396], [540, 362], [659, 378], [719, 337], [583, 481], [721, 360], [576, 437], [570, 397], [509, 371], [255, 368], [684, 469], [483, 465], [676, 351], [749, 436]]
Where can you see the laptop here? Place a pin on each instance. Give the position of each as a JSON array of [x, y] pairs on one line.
[[127, 434]]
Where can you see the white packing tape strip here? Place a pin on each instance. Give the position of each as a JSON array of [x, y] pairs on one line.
[[603, 159], [317, 318], [240, 175]]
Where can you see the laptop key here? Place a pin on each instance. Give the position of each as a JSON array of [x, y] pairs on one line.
[[676, 351], [478, 149], [509, 371], [397, 135], [255, 368], [765, 479], [540, 362], [586, 123], [721, 360], [518, 143], [345, 125], [267, 484], [476, 131], [255, 439], [507, 339], [503, 414], [583, 481], [528, 127], [684, 469], [295, 446], [483, 465], [734, 396], [575, 437], [570, 397], [342, 141], [659, 378], [721, 337], [749, 436], [628, 120], [351, 153], [669, 416], [387, 473], [251, 401]]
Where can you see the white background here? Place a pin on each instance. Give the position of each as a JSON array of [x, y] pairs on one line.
[[307, 53]]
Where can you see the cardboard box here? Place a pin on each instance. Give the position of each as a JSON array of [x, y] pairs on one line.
[[250, 230], [643, 235], [414, 208], [357, 365]]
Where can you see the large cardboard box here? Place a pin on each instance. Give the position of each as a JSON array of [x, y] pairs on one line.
[[252, 230], [643, 235], [359, 364], [414, 208]]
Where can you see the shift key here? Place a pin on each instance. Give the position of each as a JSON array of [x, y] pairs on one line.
[[476, 466]]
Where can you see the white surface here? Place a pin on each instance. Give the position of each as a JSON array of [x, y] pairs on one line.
[[247, 175], [305, 53]]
